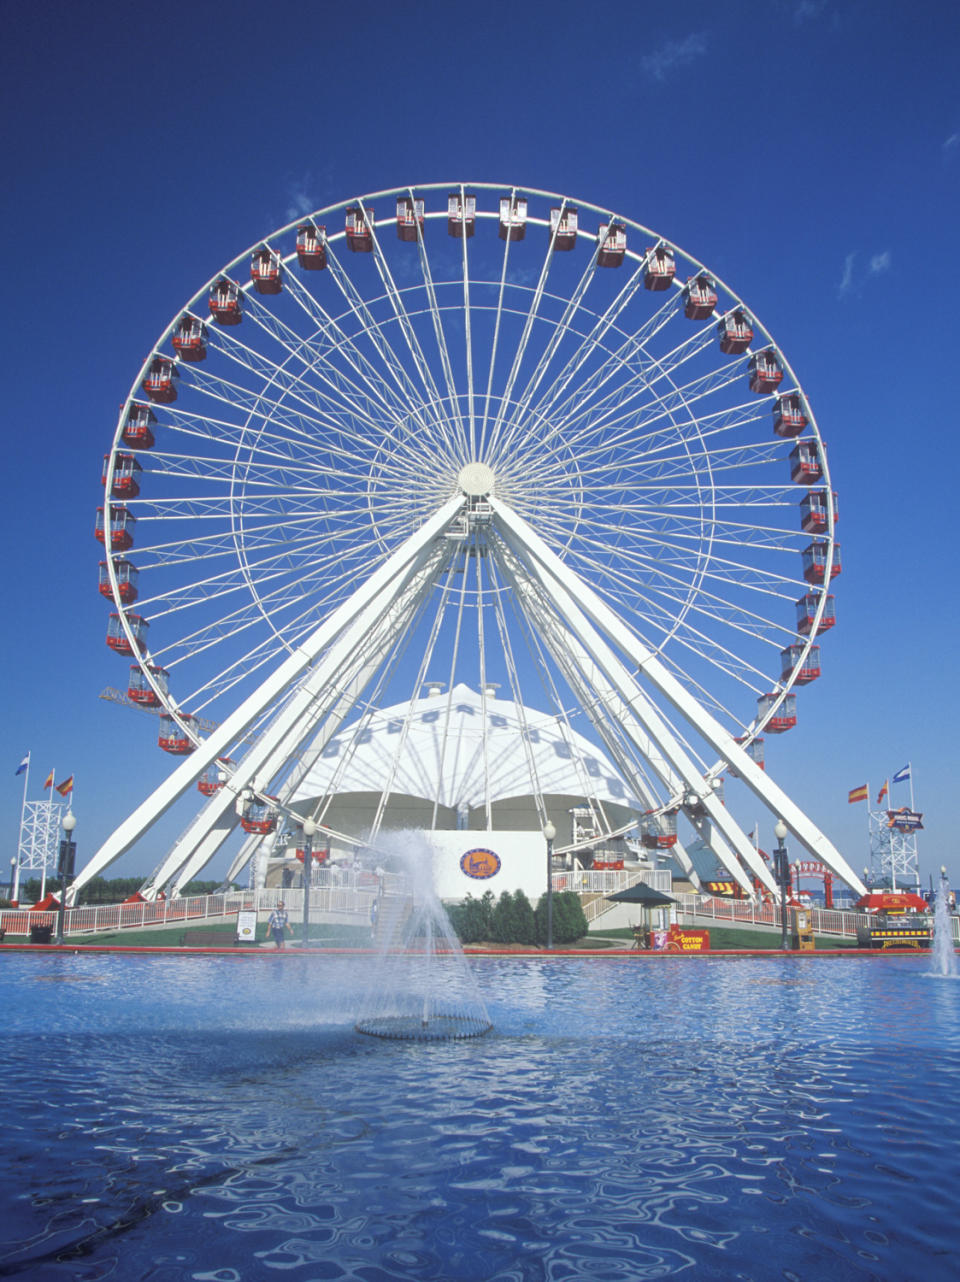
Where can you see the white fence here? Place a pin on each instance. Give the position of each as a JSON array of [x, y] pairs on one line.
[[743, 912]]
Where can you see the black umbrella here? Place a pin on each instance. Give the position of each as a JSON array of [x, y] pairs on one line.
[[641, 893]]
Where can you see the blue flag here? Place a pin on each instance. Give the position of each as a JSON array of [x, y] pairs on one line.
[[902, 775], [23, 764]]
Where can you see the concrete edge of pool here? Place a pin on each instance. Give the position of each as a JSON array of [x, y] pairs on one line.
[[620, 954]]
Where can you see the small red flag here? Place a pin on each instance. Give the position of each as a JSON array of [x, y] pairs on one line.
[[48, 782], [65, 787], [859, 794]]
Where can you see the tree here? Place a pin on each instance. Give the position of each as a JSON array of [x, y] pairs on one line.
[[504, 928], [524, 924]]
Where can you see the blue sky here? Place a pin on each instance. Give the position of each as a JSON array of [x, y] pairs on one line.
[[809, 152]]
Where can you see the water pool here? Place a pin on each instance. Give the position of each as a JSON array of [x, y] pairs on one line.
[[217, 1118]]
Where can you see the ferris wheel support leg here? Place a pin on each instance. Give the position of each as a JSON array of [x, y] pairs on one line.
[[650, 734], [722, 743], [296, 720], [382, 588], [573, 661], [355, 641]]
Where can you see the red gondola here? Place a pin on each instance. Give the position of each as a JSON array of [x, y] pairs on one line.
[[175, 738], [658, 832], [563, 226], [513, 218], [736, 332], [660, 270], [409, 218], [789, 415], [807, 611], [358, 225], [141, 691], [813, 511], [190, 339], [805, 465], [461, 214], [226, 302], [127, 575], [815, 562], [160, 381], [117, 638], [699, 297], [766, 372], [122, 524], [785, 717], [214, 777], [259, 817], [126, 476], [266, 271], [312, 247], [791, 656], [138, 428], [612, 243]]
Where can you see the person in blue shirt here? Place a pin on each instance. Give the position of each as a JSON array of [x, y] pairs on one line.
[[277, 923]]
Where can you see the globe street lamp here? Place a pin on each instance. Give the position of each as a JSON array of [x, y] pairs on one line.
[[68, 851], [309, 828], [782, 869], [549, 833]]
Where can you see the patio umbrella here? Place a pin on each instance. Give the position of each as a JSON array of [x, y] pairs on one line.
[[641, 893]]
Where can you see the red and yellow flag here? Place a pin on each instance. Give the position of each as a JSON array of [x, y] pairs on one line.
[[65, 787], [883, 792], [48, 782], [859, 794]]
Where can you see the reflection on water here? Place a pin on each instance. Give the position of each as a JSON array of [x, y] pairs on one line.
[[217, 1118]]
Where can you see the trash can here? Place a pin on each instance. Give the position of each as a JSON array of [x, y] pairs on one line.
[[40, 934]]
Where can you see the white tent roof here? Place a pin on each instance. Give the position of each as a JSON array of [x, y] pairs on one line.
[[409, 748]]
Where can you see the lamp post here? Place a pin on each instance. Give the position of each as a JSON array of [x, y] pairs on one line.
[[783, 876], [549, 832], [13, 877], [68, 850], [309, 828]]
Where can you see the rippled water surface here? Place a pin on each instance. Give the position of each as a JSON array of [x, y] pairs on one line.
[[217, 1118]]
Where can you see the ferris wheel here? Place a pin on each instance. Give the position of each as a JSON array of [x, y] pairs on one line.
[[538, 363]]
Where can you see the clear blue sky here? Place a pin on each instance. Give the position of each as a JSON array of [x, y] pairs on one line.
[[808, 151]]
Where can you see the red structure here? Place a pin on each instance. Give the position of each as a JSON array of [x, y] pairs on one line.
[[811, 868], [699, 297], [790, 657], [160, 380], [266, 271], [766, 372], [409, 218], [138, 428], [736, 332], [174, 738], [127, 575], [226, 306], [214, 777], [660, 270], [755, 751], [658, 832], [813, 511], [612, 244], [122, 523], [141, 691], [312, 247], [461, 214], [190, 339], [259, 817], [359, 225], [117, 638], [785, 717], [563, 226], [789, 414], [805, 465], [126, 476], [807, 609], [513, 218], [815, 562]]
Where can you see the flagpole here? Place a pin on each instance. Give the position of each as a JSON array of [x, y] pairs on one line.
[[43, 869], [15, 888]]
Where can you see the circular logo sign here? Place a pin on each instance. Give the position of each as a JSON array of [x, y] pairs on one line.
[[480, 864]]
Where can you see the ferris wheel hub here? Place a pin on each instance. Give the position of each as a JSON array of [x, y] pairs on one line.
[[476, 480]]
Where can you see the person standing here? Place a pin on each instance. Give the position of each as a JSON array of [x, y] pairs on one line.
[[277, 923]]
